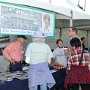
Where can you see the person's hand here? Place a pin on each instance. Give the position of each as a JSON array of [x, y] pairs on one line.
[[58, 66], [67, 52], [27, 61], [49, 61], [12, 61]]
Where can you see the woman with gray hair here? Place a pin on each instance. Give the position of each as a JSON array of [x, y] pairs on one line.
[[38, 55]]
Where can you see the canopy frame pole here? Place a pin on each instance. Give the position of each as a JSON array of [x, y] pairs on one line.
[[71, 19]]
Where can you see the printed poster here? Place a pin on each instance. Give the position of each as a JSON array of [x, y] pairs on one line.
[[24, 20]]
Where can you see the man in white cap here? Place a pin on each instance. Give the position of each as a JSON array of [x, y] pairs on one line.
[[38, 55]]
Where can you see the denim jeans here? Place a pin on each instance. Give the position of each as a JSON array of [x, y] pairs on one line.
[[42, 87], [16, 67]]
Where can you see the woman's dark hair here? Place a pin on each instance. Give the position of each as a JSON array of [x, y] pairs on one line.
[[58, 41], [82, 38], [75, 42]]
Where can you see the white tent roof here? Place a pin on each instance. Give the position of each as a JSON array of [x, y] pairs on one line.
[[58, 9], [83, 3], [73, 5]]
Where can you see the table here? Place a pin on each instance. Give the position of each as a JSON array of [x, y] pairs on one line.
[[59, 77], [16, 84]]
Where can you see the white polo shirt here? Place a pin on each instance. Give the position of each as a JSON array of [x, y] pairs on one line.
[[38, 52]]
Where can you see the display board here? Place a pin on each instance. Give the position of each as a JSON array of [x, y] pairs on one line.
[[17, 19]]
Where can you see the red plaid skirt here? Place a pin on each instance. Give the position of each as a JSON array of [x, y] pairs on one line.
[[77, 75]]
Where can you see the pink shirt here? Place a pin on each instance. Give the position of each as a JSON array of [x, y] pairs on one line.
[[13, 51]]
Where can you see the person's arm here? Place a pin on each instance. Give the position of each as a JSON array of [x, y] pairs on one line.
[[69, 64], [54, 53], [87, 58], [89, 63], [27, 60], [50, 55], [27, 54], [6, 52]]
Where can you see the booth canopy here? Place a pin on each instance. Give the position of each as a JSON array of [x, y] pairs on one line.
[[66, 11], [62, 12]]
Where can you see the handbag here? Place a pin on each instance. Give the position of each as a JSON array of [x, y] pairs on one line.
[[78, 74]]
